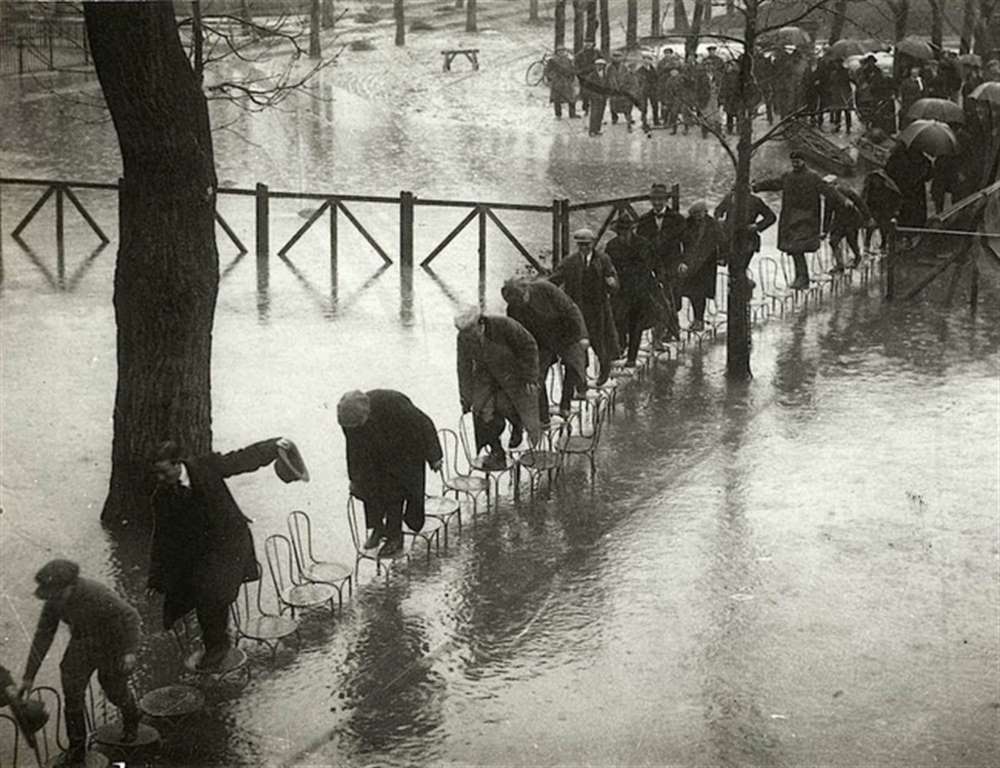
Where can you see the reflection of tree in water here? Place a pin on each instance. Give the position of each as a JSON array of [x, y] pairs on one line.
[[795, 369], [393, 693]]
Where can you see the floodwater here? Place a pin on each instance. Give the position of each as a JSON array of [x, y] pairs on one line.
[[801, 571]]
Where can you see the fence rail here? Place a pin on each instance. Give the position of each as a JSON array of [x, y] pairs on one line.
[[43, 44]]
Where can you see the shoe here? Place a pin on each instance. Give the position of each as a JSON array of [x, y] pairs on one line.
[[373, 539], [391, 548], [698, 326], [800, 284], [74, 757], [564, 413], [516, 436], [495, 462], [630, 363], [212, 659], [603, 378], [130, 732]]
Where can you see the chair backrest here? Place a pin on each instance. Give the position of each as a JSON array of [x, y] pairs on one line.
[[281, 562], [450, 447], [300, 533], [597, 409], [768, 271], [242, 608], [50, 738], [467, 436], [787, 269], [10, 742], [354, 509]]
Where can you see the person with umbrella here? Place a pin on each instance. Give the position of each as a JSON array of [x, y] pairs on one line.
[[497, 381], [883, 198], [799, 224], [911, 90], [910, 170], [843, 223], [973, 78], [562, 82], [634, 303], [388, 441]]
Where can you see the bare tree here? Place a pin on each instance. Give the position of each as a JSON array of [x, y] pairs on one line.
[[837, 22], [984, 28], [697, 15], [533, 10], [654, 17], [400, 17], [470, 16], [329, 14], [579, 20], [314, 15], [680, 16], [605, 26], [901, 17], [632, 24], [968, 25], [591, 31], [560, 24]]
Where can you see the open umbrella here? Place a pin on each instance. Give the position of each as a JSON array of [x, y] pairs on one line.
[[882, 60], [930, 137], [916, 48], [987, 92], [791, 36], [843, 49], [970, 60], [936, 109]]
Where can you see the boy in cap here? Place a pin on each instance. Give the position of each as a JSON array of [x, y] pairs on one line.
[[104, 637]]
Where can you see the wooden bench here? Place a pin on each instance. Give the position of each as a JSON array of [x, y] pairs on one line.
[[472, 54]]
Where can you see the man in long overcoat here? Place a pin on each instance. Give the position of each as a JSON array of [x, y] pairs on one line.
[[799, 225], [664, 228], [634, 304], [844, 224], [583, 61], [882, 198], [388, 440], [562, 82], [910, 170], [497, 380], [589, 278], [202, 547], [624, 89], [840, 95], [557, 325], [703, 249]]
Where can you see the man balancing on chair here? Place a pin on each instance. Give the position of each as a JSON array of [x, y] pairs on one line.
[[104, 636], [202, 547]]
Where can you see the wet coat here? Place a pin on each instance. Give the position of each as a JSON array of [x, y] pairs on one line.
[[562, 80], [841, 219], [910, 171], [624, 86], [202, 547], [555, 322], [386, 454], [583, 62], [496, 369], [637, 280], [759, 217], [588, 285], [839, 94], [729, 90], [881, 196], [799, 223], [910, 91], [703, 248]]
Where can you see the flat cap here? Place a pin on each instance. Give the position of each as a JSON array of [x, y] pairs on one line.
[[55, 576], [796, 154], [584, 234]]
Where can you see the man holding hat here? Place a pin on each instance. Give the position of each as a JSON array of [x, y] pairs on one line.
[[799, 223], [557, 325], [202, 547], [104, 637], [497, 380], [634, 304], [389, 440], [589, 278], [664, 228]]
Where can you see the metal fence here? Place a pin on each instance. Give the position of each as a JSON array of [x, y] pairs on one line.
[[43, 44]]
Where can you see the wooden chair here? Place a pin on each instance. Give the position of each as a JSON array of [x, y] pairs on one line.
[[253, 621], [293, 590], [453, 480], [322, 571]]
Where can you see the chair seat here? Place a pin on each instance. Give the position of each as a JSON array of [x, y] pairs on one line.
[[467, 484], [539, 460], [579, 444], [236, 658], [268, 627], [440, 506], [172, 701], [478, 463], [110, 735], [307, 595], [431, 526], [328, 572], [91, 759]]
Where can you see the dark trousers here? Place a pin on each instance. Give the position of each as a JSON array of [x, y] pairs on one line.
[[835, 116], [570, 383], [698, 307], [730, 122], [213, 618], [650, 108], [385, 515], [596, 114], [558, 105], [78, 664], [883, 233], [801, 267], [488, 432], [849, 236], [632, 333]]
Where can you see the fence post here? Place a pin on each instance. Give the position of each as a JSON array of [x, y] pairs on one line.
[[333, 209], [20, 55], [974, 287], [564, 239], [263, 223], [52, 58], [675, 192], [406, 229], [890, 263], [556, 233], [481, 215], [60, 236]]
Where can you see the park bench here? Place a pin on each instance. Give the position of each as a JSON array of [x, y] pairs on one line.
[[472, 54]]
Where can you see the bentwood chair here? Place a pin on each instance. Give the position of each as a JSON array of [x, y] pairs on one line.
[[294, 591], [760, 305], [106, 728], [337, 575], [544, 458], [49, 739], [253, 621], [234, 669], [356, 523], [455, 482], [477, 464], [769, 277], [585, 438]]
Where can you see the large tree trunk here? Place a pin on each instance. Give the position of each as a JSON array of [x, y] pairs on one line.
[[533, 10], [591, 31], [837, 22], [470, 16], [329, 17], [605, 25], [901, 14], [197, 42], [654, 17], [579, 20], [314, 14], [937, 24], [984, 29], [167, 268], [400, 17], [691, 46], [968, 26], [560, 24], [632, 24], [680, 17]]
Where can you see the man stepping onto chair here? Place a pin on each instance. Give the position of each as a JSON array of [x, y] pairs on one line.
[[104, 636], [497, 380], [388, 441], [202, 547]]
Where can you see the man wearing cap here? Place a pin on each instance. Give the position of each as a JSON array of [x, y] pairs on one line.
[[556, 323], [202, 547], [664, 228], [759, 217], [799, 223], [635, 310], [671, 94], [388, 440], [104, 637], [590, 279], [648, 91], [703, 250], [562, 82], [596, 84], [497, 380], [713, 61]]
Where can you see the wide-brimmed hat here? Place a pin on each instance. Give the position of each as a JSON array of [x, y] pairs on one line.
[[53, 577], [289, 465], [353, 409], [584, 235]]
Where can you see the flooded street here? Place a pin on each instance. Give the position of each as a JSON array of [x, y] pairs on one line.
[[799, 571]]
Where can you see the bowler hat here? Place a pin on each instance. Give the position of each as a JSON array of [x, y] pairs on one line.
[[55, 576], [290, 466]]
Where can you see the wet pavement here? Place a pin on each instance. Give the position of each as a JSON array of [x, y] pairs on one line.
[[802, 571]]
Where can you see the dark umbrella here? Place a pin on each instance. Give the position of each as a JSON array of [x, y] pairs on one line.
[[843, 49], [930, 137], [987, 92], [970, 59], [790, 36], [945, 110], [916, 48]]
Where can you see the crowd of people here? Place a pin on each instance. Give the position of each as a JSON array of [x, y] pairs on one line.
[[677, 91]]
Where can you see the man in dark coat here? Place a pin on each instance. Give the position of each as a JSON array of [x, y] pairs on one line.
[[911, 90], [882, 197], [104, 637], [664, 228], [624, 89], [649, 92], [557, 325], [672, 102], [388, 440], [589, 278], [877, 94], [910, 170], [729, 94], [839, 95], [703, 249], [596, 85], [583, 61], [634, 303], [844, 223], [497, 380], [202, 547], [562, 82], [759, 218], [799, 225]]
